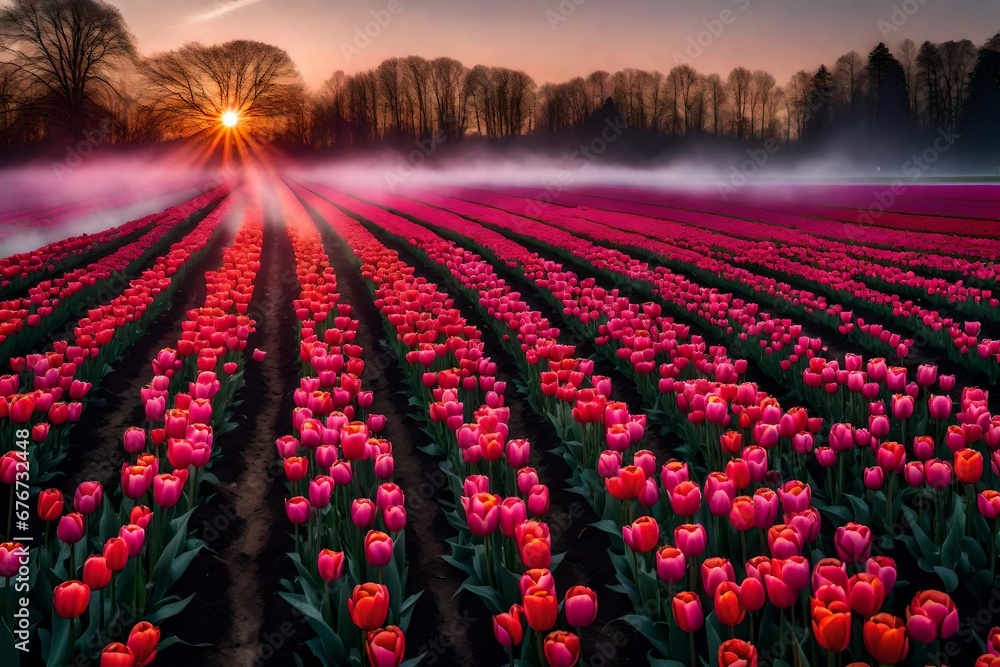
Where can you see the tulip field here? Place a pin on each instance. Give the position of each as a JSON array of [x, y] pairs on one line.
[[297, 422]]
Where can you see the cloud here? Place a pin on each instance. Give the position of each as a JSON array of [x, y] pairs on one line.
[[220, 8]]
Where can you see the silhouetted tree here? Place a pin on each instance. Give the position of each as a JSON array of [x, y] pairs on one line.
[[196, 84], [66, 51], [980, 126], [886, 87]]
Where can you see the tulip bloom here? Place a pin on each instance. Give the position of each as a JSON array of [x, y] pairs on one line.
[[968, 466], [116, 553], [88, 497], [534, 544], [71, 599], [386, 647], [368, 605], [643, 535], [508, 628], [482, 511], [670, 564], [50, 504], [117, 655], [931, 615], [561, 649], [687, 611], [737, 653], [866, 593], [728, 604], [853, 543], [298, 510], [330, 564], [885, 638], [70, 528], [143, 641], [626, 484], [540, 608], [831, 624], [691, 539], [580, 605], [378, 548], [685, 499]]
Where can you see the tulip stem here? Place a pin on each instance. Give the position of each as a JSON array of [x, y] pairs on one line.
[[10, 513], [993, 553], [510, 654], [541, 650], [694, 654]]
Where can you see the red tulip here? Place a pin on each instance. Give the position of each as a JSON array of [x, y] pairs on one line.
[[71, 598], [116, 553], [385, 647], [143, 640], [885, 638], [728, 604], [831, 624], [643, 535], [866, 594], [685, 499], [737, 653], [561, 649], [117, 655], [50, 504], [482, 511], [540, 608], [534, 544], [627, 484], [968, 466], [368, 605], [507, 628], [687, 611]]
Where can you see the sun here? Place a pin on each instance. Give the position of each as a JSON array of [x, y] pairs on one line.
[[230, 119]]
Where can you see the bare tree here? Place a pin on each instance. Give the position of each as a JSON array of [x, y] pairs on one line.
[[798, 97], [847, 75], [196, 84], [761, 91], [739, 87], [715, 100], [447, 81], [66, 50], [683, 80], [958, 59], [907, 57]]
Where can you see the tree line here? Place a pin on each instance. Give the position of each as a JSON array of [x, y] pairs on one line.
[[70, 65]]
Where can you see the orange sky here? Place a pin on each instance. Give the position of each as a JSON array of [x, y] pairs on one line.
[[554, 40]]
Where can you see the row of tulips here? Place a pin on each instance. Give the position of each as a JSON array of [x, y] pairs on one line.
[[867, 403], [115, 560], [22, 269], [46, 394], [719, 258], [506, 555], [952, 257], [49, 303], [783, 540], [349, 516], [801, 221], [698, 263]]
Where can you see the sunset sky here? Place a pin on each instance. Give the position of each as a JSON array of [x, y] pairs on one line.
[[551, 44]]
